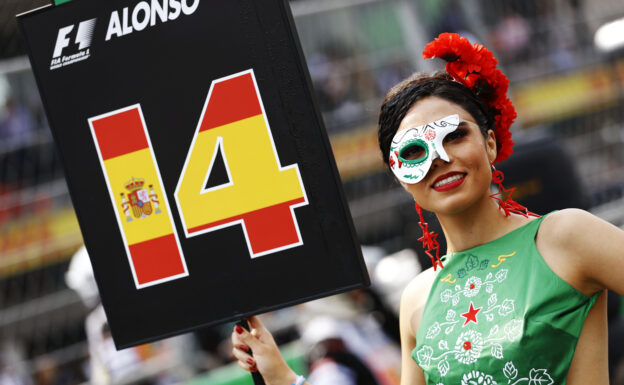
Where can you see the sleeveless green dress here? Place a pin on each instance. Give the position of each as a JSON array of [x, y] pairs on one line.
[[497, 314]]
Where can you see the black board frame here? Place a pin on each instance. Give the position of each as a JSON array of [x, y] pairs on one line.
[[332, 225]]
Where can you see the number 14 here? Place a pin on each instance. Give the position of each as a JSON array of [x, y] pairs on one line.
[[260, 194]]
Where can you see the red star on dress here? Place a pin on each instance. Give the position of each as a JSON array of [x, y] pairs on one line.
[[471, 314]]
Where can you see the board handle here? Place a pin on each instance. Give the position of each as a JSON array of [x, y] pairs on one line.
[[256, 376]]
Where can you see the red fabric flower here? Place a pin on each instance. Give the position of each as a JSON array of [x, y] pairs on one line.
[[474, 66], [448, 46]]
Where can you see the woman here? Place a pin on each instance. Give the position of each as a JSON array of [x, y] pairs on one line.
[[517, 299]]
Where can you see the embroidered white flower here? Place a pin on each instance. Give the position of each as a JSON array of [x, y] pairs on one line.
[[472, 287], [476, 377], [468, 347]]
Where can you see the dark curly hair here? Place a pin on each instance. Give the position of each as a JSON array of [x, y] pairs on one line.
[[403, 95]]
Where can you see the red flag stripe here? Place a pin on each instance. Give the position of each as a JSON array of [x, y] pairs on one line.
[[120, 133], [231, 100], [156, 259]]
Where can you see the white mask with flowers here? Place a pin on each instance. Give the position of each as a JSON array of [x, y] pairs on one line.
[[412, 151]]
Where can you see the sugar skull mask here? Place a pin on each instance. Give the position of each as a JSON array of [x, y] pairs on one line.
[[413, 150]]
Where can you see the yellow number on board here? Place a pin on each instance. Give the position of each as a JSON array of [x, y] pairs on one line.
[[259, 194]]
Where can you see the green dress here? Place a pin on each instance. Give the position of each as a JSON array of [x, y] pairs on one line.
[[497, 314]]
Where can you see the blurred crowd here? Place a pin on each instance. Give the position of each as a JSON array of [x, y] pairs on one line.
[[53, 329]]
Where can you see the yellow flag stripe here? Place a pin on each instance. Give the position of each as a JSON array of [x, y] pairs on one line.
[[257, 181]]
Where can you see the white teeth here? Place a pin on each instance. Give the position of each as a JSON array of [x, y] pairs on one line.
[[448, 180]]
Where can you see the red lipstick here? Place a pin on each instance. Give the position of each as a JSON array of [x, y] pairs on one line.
[[449, 186]]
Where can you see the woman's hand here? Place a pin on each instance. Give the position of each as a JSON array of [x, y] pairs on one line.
[[266, 359]]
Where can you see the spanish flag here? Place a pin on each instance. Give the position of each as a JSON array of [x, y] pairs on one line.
[[136, 192]]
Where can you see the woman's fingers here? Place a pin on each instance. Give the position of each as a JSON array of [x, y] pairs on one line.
[[266, 358], [243, 337], [242, 343], [236, 339], [255, 323], [242, 356], [247, 367], [242, 347], [259, 331]]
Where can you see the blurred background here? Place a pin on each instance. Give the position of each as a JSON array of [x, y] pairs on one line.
[[565, 60]]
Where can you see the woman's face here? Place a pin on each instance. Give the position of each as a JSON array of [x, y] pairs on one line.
[[451, 187]]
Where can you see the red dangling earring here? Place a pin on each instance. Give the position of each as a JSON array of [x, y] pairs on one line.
[[429, 240], [508, 205]]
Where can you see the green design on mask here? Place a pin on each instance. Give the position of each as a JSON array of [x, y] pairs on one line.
[[410, 144]]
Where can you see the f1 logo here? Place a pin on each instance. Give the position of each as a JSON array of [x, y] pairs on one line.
[[83, 38]]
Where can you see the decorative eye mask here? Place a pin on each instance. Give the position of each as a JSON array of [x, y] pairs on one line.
[[413, 150]]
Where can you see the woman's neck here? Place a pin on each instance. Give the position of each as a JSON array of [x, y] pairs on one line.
[[481, 223]]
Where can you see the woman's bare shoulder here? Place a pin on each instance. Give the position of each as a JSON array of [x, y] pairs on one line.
[[583, 250], [561, 232], [570, 234], [563, 225], [418, 288], [414, 298]]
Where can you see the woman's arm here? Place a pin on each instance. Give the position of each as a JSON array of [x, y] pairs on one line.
[[590, 364], [588, 251], [578, 247], [412, 302], [266, 359]]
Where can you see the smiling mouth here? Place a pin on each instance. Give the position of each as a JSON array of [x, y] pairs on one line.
[[449, 182]]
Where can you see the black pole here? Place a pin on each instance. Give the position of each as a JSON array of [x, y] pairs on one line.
[[257, 378]]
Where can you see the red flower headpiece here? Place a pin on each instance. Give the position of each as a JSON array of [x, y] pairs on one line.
[[474, 66]]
